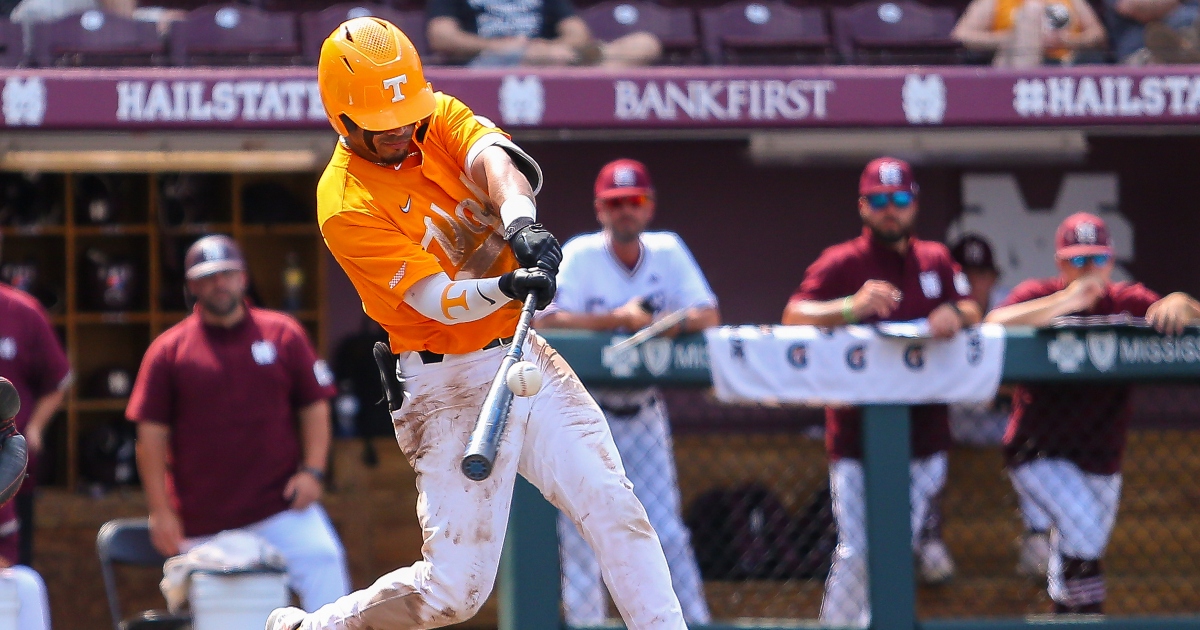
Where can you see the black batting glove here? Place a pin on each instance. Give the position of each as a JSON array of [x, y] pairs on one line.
[[518, 283], [533, 245]]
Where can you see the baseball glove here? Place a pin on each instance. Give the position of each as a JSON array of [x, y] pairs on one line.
[[13, 453]]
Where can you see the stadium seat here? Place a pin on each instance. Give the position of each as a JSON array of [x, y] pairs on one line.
[[315, 26], [765, 33], [95, 38], [12, 44], [234, 34], [895, 32], [126, 541], [674, 27]]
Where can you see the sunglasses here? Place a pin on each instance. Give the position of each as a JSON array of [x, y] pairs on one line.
[[631, 200], [901, 199], [1097, 260]]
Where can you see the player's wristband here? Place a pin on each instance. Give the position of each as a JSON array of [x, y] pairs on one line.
[[517, 207], [317, 473], [848, 310]]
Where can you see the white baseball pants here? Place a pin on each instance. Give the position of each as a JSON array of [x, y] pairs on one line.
[[644, 441], [34, 613], [559, 441], [846, 602], [1083, 509], [316, 561]]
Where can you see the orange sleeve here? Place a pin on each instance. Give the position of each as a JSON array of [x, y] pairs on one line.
[[381, 261], [456, 128]]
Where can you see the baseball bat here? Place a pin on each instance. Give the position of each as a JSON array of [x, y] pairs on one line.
[[480, 457], [14, 455], [649, 332]]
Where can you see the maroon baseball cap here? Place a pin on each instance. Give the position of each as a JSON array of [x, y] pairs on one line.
[[886, 174], [212, 254], [623, 178], [1082, 234]]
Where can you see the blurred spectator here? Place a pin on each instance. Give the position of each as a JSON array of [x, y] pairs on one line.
[[1065, 442], [38, 11], [233, 428], [1028, 33], [34, 613], [30, 12], [1154, 31], [886, 274], [33, 359], [621, 279], [498, 33]]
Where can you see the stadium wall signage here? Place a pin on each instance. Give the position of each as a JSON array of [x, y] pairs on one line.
[[658, 98]]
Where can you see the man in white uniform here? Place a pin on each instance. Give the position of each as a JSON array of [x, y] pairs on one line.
[[621, 279]]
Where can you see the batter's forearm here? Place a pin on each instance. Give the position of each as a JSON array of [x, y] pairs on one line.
[[455, 301], [316, 434]]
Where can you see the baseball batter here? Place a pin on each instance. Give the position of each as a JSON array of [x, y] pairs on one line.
[[886, 274], [429, 210], [1065, 442], [619, 279]]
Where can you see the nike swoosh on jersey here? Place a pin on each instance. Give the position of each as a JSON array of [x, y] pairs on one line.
[[407, 205], [490, 300]]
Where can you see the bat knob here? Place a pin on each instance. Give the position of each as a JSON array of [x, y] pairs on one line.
[[10, 402], [476, 467]]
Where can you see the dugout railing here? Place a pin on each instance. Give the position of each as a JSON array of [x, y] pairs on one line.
[[529, 585]]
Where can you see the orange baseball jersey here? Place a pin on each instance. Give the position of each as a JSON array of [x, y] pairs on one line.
[[390, 226]]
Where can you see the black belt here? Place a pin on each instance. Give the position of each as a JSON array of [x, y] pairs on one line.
[[428, 357]]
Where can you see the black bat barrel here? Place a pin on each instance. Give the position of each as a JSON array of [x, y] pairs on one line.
[[493, 415]]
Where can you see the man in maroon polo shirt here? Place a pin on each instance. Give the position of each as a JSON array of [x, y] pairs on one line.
[[1065, 442], [886, 274], [33, 359], [233, 427]]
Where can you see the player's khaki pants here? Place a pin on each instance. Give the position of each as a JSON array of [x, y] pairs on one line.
[[559, 441]]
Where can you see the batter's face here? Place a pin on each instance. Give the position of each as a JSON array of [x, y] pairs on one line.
[[625, 218], [1071, 273], [890, 224], [221, 293], [389, 147]]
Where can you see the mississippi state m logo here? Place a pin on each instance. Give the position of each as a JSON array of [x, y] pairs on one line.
[[24, 101], [923, 99]]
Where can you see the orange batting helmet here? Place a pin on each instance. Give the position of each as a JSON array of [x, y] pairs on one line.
[[370, 71]]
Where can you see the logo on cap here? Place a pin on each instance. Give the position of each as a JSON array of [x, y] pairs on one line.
[[890, 174], [974, 253], [624, 176], [212, 250], [1085, 233]]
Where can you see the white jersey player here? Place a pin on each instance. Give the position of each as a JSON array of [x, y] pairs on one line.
[[621, 279]]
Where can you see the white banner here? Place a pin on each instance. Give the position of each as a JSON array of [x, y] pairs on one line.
[[853, 364]]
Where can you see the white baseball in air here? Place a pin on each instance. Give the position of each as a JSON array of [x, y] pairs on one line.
[[524, 379]]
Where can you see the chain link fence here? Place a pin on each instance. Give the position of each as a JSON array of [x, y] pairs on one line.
[[754, 494]]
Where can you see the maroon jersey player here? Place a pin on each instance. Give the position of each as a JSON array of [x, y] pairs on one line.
[[886, 274], [1065, 442]]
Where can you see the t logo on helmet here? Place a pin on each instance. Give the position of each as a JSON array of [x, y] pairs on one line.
[[395, 83]]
